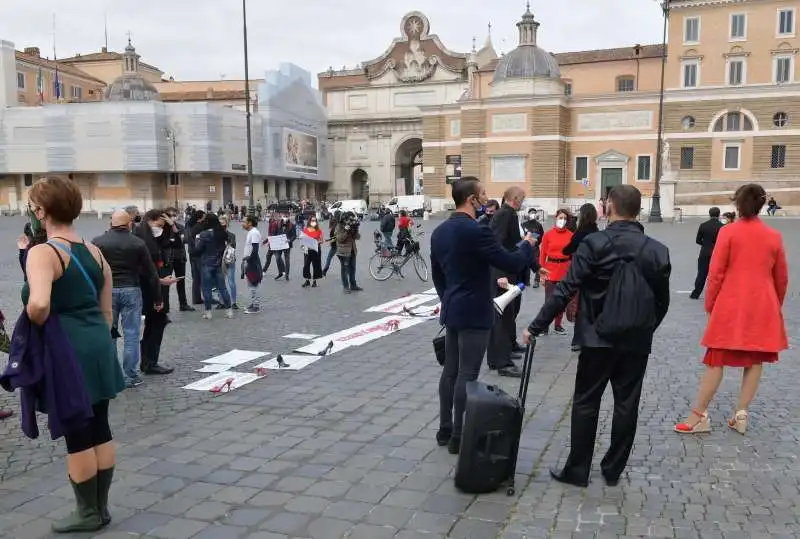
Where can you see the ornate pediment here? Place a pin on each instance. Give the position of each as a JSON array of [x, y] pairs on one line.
[[416, 55]]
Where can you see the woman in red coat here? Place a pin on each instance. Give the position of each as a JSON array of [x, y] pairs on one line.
[[747, 283], [553, 261]]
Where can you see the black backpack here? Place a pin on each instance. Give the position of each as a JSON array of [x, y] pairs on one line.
[[629, 306]]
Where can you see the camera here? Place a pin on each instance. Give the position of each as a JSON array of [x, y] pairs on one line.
[[350, 221]]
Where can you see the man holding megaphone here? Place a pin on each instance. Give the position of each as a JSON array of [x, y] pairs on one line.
[[463, 252]]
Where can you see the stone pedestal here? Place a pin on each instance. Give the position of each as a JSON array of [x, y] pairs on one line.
[[667, 188]]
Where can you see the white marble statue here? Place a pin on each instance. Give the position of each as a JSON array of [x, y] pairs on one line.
[[665, 164]]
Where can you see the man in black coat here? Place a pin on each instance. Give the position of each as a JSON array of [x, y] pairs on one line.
[[706, 239], [175, 257], [621, 362], [505, 225]]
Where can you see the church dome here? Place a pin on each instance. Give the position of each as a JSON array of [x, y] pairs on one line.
[[131, 85], [527, 61]]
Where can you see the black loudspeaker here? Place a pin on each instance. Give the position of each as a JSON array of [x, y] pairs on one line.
[[490, 438]]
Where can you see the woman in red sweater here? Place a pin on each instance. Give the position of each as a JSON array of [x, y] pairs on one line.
[[312, 258], [553, 261]]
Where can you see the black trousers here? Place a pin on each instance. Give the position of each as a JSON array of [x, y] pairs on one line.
[[312, 260], [154, 324], [703, 263], [178, 268], [596, 368], [502, 337], [197, 280], [284, 260], [463, 350]]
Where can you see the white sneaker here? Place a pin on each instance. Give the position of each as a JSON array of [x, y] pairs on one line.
[[229, 313], [207, 315]]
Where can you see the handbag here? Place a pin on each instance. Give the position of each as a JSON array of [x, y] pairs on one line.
[[438, 347]]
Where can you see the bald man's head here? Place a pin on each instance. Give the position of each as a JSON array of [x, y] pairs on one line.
[[514, 196], [120, 219]]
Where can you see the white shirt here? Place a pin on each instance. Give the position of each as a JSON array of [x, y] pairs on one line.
[[253, 236]]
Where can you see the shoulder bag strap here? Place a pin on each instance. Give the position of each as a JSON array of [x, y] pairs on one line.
[[74, 260]]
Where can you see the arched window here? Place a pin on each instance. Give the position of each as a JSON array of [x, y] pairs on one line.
[[626, 83], [733, 121]]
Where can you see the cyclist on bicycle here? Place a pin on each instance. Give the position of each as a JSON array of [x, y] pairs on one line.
[[404, 232]]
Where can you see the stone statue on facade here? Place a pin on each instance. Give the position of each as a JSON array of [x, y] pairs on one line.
[[666, 167]]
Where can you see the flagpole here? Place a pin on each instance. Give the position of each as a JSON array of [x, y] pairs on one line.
[[55, 60]]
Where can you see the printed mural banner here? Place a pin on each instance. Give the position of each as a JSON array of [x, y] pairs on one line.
[[300, 152]]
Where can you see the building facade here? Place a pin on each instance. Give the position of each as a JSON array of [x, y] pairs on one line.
[[133, 148], [567, 127]]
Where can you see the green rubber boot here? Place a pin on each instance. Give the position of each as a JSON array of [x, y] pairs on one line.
[[86, 516], [104, 478]]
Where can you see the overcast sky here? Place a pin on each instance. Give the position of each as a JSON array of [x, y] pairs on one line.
[[202, 39]]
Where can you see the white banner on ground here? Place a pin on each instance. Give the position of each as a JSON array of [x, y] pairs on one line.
[[431, 292], [235, 357], [396, 306], [301, 336], [214, 368], [425, 312], [222, 379], [295, 363], [278, 243], [361, 334]]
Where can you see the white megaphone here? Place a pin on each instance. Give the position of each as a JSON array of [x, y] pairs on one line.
[[502, 301]]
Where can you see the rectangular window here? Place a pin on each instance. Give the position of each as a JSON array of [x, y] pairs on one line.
[[28, 178], [736, 72], [786, 22], [173, 179], [778, 156], [581, 168], [455, 128], [738, 26], [77, 92], [691, 30], [20, 81], [625, 84], [784, 67], [732, 157], [690, 73], [643, 168], [568, 89], [687, 157], [733, 121]]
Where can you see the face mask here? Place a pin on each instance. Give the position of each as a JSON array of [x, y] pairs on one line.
[[724, 221], [137, 219], [561, 223], [285, 219], [36, 225], [157, 231], [312, 224]]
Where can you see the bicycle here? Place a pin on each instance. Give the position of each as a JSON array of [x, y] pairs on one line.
[[387, 262]]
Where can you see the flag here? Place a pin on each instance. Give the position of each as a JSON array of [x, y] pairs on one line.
[[40, 85], [57, 86]]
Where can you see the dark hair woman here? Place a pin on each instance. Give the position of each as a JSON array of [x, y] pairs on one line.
[[71, 278], [749, 274], [210, 247], [587, 224]]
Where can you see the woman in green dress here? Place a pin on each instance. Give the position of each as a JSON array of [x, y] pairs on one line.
[[72, 279]]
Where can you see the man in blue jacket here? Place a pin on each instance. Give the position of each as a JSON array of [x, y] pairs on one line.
[[462, 255]]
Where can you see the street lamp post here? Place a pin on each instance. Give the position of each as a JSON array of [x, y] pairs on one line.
[[250, 180], [174, 141], [655, 206]]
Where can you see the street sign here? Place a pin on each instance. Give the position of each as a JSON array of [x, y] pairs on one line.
[[585, 182]]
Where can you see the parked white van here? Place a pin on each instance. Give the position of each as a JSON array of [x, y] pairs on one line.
[[359, 207], [415, 205]]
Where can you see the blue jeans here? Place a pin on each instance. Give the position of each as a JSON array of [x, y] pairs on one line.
[[387, 239], [348, 271], [126, 303], [231, 276], [213, 278], [331, 254]]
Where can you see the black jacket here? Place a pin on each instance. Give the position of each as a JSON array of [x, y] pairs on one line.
[[387, 223], [505, 225], [129, 259], [590, 272], [577, 238], [155, 248], [707, 236], [174, 250]]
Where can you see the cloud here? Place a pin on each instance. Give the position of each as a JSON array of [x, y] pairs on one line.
[[200, 40]]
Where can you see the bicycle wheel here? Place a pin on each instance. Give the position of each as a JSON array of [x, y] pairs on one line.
[[380, 267], [421, 267]]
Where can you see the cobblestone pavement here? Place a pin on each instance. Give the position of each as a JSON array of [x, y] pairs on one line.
[[344, 448]]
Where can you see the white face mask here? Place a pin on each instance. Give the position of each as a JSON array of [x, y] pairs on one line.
[[561, 223], [724, 221], [157, 231]]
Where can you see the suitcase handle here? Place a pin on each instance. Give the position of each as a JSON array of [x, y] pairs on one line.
[[527, 367]]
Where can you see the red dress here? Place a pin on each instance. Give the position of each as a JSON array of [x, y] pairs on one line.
[[551, 253], [747, 284]]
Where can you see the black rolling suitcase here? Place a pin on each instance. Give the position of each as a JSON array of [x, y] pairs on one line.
[[490, 438]]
